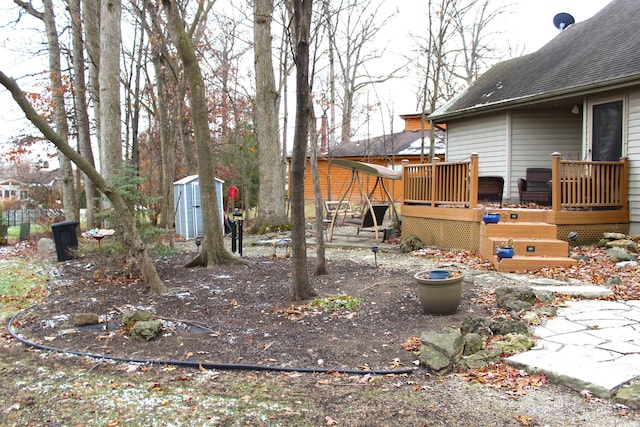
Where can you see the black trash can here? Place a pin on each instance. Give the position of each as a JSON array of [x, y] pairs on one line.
[[65, 238]]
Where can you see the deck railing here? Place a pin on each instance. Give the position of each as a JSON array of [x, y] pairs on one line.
[[574, 184], [589, 184], [442, 183]]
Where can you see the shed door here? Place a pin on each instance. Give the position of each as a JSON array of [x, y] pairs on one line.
[[196, 211]]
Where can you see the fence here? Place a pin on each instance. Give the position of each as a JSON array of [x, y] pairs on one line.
[[13, 217]]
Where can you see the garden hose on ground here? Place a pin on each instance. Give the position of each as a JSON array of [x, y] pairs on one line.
[[201, 365]]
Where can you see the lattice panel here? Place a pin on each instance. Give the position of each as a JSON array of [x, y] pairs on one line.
[[444, 233], [591, 233]]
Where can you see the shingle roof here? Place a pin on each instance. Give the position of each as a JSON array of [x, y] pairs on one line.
[[400, 144], [600, 50]]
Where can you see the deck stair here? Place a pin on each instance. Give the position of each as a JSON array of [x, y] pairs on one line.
[[535, 246]]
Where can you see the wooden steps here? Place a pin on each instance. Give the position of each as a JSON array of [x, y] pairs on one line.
[[535, 246]]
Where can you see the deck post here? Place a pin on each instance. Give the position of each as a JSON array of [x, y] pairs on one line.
[[624, 183], [556, 195], [473, 179]]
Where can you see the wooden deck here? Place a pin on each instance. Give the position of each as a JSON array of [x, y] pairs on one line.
[[589, 198]]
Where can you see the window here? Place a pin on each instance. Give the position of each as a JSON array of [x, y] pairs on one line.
[[607, 129]]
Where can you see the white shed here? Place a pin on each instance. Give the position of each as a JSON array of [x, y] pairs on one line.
[[186, 202]]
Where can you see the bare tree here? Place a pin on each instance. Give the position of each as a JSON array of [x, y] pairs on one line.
[[213, 250], [301, 33], [352, 28], [271, 203], [81, 106], [69, 200]]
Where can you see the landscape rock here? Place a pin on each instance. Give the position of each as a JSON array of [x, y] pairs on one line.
[[146, 330], [84, 319], [411, 243], [515, 343], [613, 236], [130, 318], [627, 244], [515, 298], [441, 350], [482, 359], [46, 245], [629, 395], [509, 326], [479, 326], [472, 343], [619, 254]]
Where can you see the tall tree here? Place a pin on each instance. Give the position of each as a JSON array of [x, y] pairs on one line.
[[352, 35], [302, 9], [109, 81], [81, 112], [271, 203], [213, 249], [69, 199]]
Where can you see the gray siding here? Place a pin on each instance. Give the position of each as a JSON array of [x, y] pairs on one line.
[[486, 136], [633, 153], [537, 134]]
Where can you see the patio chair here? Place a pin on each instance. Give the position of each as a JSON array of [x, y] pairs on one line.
[[490, 188], [536, 187]]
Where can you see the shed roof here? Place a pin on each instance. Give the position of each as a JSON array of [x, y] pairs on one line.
[[586, 56]]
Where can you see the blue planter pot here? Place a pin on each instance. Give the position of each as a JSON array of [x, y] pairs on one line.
[[439, 274], [504, 253], [491, 218]]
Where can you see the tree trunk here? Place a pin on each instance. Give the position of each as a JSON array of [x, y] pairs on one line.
[[213, 250], [130, 234], [302, 22], [91, 21], [69, 200], [109, 80], [321, 261], [271, 206], [82, 115]]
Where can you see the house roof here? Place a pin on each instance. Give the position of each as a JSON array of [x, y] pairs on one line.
[[404, 143], [597, 53]]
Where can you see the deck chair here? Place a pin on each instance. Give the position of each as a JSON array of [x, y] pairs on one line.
[[490, 188], [366, 220], [536, 187]]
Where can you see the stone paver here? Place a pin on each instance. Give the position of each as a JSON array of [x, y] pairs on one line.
[[591, 345]]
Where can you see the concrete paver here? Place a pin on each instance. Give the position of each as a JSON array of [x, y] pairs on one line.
[[591, 345]]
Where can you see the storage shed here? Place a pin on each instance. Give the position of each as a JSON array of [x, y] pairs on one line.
[[186, 202]]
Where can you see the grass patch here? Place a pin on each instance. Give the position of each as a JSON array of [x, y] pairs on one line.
[[22, 283], [337, 302]]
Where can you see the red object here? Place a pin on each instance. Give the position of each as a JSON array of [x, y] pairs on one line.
[[232, 192]]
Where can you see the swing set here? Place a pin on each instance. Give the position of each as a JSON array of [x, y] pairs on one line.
[[372, 214]]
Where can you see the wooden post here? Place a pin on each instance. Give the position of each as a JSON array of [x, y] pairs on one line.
[[473, 180], [624, 183], [556, 196]]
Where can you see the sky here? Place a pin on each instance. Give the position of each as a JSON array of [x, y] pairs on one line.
[[529, 27]]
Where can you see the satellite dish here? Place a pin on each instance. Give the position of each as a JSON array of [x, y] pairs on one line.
[[563, 20]]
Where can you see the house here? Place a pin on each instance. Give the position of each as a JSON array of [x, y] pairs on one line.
[[11, 188], [389, 150], [578, 95], [574, 107]]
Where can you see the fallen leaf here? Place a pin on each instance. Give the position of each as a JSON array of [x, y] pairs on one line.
[[330, 421], [525, 421]]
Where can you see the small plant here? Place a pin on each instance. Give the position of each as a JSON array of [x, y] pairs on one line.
[[507, 244], [337, 302]]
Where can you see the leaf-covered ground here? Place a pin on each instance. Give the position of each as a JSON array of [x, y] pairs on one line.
[[367, 317]]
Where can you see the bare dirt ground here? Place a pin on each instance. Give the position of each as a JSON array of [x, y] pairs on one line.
[[367, 318]]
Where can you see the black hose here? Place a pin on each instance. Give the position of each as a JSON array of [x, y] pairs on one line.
[[204, 365]]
